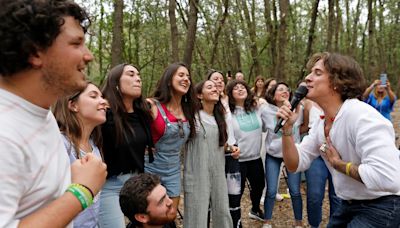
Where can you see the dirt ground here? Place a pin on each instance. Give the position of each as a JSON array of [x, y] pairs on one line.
[[283, 214]]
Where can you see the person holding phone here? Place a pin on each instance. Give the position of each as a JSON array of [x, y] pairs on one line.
[[380, 96]]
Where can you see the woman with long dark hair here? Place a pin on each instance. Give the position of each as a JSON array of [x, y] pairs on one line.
[[126, 137], [173, 122], [204, 173]]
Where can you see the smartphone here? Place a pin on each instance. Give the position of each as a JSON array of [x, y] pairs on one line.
[[383, 79]]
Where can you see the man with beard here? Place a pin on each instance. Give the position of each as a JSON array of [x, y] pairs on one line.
[[145, 202], [42, 58]]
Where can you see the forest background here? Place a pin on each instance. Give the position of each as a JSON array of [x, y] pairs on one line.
[[272, 38]]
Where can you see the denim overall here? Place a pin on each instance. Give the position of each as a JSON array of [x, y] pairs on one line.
[[166, 162]]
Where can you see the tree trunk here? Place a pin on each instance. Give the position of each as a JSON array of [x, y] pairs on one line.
[[355, 30], [338, 26], [116, 45], [311, 31], [218, 32], [280, 70], [348, 28], [100, 42], [371, 39], [191, 33], [271, 35], [380, 37], [251, 29], [331, 21], [174, 31]]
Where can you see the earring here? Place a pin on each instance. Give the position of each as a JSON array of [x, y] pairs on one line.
[[117, 88], [185, 99]]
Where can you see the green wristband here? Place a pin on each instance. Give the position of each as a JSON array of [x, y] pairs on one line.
[[86, 192], [79, 195]]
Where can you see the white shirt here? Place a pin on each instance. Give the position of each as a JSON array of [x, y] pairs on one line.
[[34, 165], [364, 137]]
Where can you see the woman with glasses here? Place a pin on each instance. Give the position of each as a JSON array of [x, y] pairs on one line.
[[276, 97], [78, 117], [173, 122], [126, 137], [247, 124], [204, 174]]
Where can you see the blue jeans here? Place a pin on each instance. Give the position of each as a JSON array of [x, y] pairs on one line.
[[381, 212], [272, 168], [316, 177], [110, 215]]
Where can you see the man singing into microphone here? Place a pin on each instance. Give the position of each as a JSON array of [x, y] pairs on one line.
[[355, 141]]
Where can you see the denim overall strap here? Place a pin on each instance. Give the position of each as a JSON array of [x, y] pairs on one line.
[[167, 156]]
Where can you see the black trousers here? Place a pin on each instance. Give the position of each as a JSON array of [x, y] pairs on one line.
[[253, 171]]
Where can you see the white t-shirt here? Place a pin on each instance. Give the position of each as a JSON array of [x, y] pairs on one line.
[[364, 137], [34, 165]]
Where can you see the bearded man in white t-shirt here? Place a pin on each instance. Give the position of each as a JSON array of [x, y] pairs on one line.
[[42, 57], [356, 142]]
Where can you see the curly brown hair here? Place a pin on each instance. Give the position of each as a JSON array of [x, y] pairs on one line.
[[27, 26], [249, 104], [345, 74]]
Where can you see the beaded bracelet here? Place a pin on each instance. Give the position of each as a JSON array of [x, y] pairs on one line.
[[82, 194]]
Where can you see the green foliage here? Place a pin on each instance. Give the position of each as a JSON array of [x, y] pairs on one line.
[[147, 37]]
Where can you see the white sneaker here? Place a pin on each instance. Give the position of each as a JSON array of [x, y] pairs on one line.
[[267, 226], [278, 197]]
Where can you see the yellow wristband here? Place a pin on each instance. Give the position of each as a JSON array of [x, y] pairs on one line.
[[348, 165]]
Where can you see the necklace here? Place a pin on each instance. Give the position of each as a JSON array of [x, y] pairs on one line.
[[332, 119], [86, 148]]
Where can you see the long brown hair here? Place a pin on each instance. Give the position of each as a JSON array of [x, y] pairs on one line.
[[219, 114], [259, 77], [72, 126], [112, 93], [163, 94]]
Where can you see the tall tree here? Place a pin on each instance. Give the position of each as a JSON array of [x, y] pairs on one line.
[[311, 31], [221, 23], [251, 29], [174, 31], [191, 33], [338, 25], [280, 71], [355, 29], [117, 41], [272, 34], [331, 22], [371, 39]]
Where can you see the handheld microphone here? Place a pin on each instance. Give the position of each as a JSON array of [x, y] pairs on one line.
[[299, 94]]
